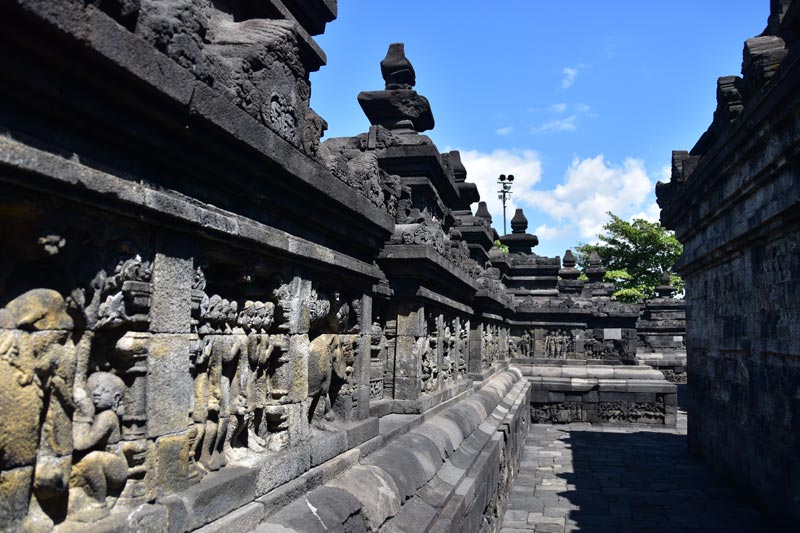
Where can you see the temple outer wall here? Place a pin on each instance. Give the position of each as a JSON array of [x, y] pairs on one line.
[[733, 202]]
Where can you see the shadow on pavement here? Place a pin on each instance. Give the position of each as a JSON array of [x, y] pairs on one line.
[[647, 481]]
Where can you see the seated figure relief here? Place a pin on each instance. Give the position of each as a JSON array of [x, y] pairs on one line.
[[100, 471]]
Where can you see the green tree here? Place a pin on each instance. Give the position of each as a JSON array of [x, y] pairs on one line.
[[636, 254], [500, 246]]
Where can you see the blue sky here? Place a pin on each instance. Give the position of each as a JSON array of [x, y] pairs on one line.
[[583, 101]]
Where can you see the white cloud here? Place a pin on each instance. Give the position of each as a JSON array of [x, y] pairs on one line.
[[564, 124], [508, 130], [549, 233], [651, 214], [591, 188], [483, 169], [570, 74], [569, 77], [666, 173], [568, 123], [573, 210]]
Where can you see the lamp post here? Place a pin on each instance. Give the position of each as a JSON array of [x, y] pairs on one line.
[[503, 194]]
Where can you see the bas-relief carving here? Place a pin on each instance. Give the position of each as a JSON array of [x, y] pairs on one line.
[[597, 345], [379, 346], [282, 119], [448, 355], [560, 413], [100, 470], [76, 464], [631, 412], [490, 345], [526, 344], [124, 296], [462, 350], [241, 382], [425, 352], [330, 358], [557, 344], [355, 165], [36, 376]]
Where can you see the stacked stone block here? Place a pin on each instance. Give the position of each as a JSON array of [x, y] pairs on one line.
[[732, 201]]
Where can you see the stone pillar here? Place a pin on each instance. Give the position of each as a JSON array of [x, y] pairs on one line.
[[131, 353], [362, 370], [503, 343], [475, 349], [437, 352], [409, 345], [169, 383], [294, 303]]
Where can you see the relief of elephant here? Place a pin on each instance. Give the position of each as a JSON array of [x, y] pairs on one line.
[[326, 360]]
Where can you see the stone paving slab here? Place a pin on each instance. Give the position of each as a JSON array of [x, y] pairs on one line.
[[634, 479]]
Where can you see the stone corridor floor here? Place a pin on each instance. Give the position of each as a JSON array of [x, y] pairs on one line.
[[583, 478]]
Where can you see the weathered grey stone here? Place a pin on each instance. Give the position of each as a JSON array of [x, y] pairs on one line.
[[203, 503], [168, 373], [415, 515], [402, 465], [375, 489], [741, 323], [170, 217], [173, 276], [282, 467], [326, 445], [245, 518], [325, 508], [148, 519]]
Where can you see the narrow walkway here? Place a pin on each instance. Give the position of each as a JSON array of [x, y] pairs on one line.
[[583, 478]]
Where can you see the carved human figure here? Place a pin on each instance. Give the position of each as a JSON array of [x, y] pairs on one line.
[[249, 391], [525, 344], [566, 339], [463, 347], [100, 470], [558, 344], [422, 352], [232, 391], [206, 415], [447, 353]]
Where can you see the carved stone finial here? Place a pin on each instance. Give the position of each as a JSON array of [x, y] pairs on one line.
[[459, 170], [398, 107], [596, 270], [518, 241], [569, 259], [483, 212], [665, 290], [569, 271], [519, 224], [397, 70]]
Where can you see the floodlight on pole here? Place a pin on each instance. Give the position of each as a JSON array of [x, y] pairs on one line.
[[504, 193]]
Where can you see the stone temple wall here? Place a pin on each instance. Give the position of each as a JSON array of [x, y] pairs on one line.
[[211, 320], [661, 332], [733, 201], [207, 314]]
